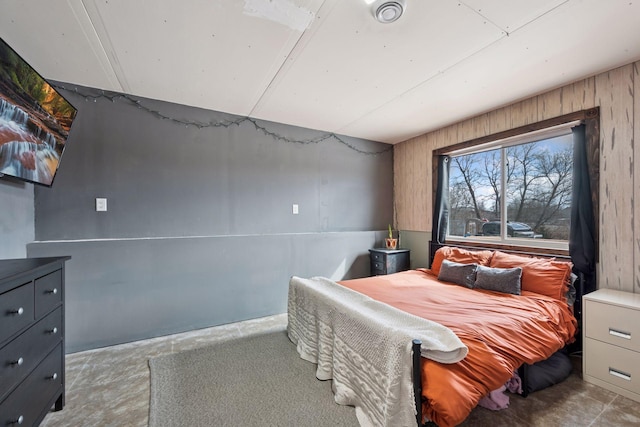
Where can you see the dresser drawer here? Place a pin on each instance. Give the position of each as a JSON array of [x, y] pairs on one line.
[[613, 324], [48, 292], [21, 355], [38, 391], [16, 310], [612, 364]]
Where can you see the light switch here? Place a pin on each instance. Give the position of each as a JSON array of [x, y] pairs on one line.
[[295, 209], [101, 204]]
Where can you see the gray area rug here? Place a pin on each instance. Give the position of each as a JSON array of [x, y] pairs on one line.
[[254, 381]]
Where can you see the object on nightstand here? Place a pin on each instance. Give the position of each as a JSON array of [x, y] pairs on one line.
[[390, 242], [388, 261]]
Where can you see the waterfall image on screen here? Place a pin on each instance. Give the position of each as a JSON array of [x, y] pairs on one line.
[[34, 121]]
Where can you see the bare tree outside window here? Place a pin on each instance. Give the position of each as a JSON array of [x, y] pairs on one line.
[[537, 192]]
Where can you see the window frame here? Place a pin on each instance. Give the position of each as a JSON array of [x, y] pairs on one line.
[[590, 117]]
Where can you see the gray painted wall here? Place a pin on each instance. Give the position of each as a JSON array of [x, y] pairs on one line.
[[199, 229], [16, 217], [125, 290]]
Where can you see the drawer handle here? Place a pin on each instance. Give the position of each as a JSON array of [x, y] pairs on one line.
[[19, 420], [18, 362], [53, 376], [19, 311], [52, 291], [620, 374], [53, 331], [620, 334]]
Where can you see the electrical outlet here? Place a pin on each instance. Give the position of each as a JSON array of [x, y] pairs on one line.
[[295, 209], [101, 204]]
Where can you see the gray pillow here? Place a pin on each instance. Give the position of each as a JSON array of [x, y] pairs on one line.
[[506, 280], [458, 273]]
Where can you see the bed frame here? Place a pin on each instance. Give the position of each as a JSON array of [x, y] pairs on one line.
[[523, 370]]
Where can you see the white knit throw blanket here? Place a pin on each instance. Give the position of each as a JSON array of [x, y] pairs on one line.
[[364, 346]]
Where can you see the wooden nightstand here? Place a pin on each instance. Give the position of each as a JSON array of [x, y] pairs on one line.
[[611, 335], [387, 261]]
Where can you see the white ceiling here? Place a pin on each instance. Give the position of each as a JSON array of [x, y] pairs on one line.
[[326, 64]]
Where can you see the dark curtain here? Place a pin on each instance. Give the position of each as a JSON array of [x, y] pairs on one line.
[[582, 245], [441, 208]]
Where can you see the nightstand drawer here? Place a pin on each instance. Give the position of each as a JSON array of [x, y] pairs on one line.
[[613, 324], [378, 267], [378, 257], [612, 364]]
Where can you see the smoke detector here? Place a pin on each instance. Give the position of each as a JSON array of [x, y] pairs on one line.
[[387, 11]]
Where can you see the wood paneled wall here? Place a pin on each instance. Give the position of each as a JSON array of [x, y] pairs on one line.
[[617, 93]]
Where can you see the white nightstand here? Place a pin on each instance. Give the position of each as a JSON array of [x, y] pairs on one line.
[[611, 338]]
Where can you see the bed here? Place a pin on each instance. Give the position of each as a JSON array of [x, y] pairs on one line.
[[472, 321]]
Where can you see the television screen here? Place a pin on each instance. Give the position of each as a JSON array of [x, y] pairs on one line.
[[34, 121]]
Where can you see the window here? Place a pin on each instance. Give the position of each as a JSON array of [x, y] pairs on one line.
[[515, 190]]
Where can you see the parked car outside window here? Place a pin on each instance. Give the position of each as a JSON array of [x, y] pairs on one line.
[[514, 229]]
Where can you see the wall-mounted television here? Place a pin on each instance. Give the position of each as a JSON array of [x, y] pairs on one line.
[[35, 120]]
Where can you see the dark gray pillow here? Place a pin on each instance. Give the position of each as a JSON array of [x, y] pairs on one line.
[[458, 273], [505, 280]]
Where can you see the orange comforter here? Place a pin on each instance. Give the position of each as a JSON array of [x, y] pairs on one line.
[[502, 332]]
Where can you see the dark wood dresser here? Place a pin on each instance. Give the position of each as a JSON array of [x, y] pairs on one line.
[[31, 339], [387, 261]]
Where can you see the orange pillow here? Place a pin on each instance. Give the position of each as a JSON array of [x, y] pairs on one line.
[[516, 260], [540, 275], [462, 256]]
